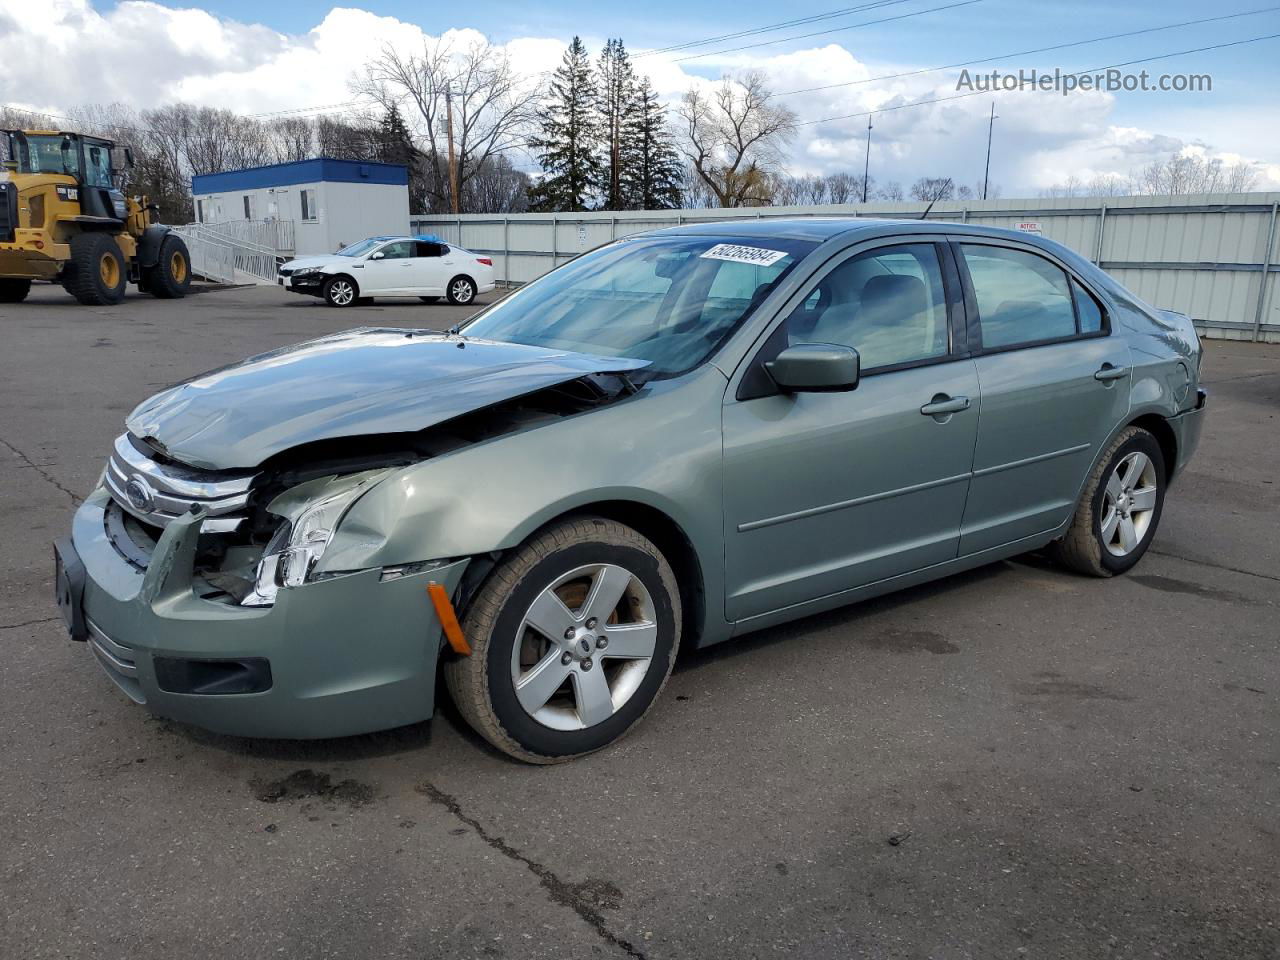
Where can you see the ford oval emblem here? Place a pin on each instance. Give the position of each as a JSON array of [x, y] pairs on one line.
[[140, 494]]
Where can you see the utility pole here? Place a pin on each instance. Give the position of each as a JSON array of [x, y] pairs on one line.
[[453, 164], [986, 176], [866, 166]]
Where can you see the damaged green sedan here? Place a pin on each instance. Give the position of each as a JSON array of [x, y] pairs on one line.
[[670, 441]]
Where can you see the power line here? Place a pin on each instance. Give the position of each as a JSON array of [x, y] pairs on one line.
[[1077, 73], [1023, 53], [821, 33], [800, 21]]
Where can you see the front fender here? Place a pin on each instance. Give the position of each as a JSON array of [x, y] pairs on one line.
[[660, 448]]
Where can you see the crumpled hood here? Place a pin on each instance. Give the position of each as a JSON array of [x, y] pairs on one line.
[[320, 262], [364, 381]]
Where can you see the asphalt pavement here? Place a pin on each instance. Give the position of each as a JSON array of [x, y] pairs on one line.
[[1015, 762]]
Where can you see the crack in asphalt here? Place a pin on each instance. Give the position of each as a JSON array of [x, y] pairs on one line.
[[1216, 566], [75, 498], [562, 893], [27, 623]]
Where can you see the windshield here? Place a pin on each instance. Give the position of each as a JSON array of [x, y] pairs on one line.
[[358, 249], [46, 155], [671, 300]]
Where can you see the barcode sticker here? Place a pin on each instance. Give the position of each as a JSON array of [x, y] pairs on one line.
[[757, 256]]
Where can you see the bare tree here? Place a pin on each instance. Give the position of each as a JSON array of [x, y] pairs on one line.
[[1188, 173], [933, 189], [891, 191], [735, 136], [844, 187], [491, 109]]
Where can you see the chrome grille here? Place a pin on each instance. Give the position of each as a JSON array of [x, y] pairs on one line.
[[158, 493]]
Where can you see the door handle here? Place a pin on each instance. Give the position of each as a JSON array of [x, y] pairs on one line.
[[1107, 372], [942, 404]]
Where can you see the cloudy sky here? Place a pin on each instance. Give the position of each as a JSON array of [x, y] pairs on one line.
[[256, 58]]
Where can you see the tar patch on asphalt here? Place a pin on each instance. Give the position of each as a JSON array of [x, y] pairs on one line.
[[312, 785]]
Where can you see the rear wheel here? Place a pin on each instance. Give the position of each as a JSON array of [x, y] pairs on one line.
[[340, 292], [170, 278], [14, 291], [96, 274], [572, 636], [462, 290], [1120, 509]]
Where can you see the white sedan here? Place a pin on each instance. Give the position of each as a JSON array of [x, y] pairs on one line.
[[422, 267]]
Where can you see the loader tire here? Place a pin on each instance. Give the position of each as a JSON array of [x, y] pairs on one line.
[[96, 274], [170, 278], [14, 291]]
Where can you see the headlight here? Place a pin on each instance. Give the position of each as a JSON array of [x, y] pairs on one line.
[[298, 544]]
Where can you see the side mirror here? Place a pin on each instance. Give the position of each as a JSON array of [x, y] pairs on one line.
[[815, 368], [377, 256]]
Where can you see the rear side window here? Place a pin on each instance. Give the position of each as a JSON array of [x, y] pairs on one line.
[[1021, 298], [888, 304], [1087, 309]]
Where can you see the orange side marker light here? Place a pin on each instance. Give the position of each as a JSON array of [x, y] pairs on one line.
[[448, 619]]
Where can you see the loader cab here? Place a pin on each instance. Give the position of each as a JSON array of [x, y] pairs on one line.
[[88, 160]]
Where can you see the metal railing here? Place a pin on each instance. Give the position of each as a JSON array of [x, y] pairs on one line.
[[279, 235], [222, 259]]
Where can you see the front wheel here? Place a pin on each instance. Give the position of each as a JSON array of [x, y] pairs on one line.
[[462, 290], [340, 292], [1120, 509], [572, 637], [14, 291], [96, 274]]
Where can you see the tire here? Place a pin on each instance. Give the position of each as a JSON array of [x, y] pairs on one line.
[[461, 291], [341, 291], [429, 299], [14, 291], [170, 278], [568, 560], [1104, 541], [96, 274]]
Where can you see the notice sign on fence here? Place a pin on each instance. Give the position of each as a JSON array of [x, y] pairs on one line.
[[1030, 226]]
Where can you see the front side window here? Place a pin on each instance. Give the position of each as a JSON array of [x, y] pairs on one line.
[[888, 304], [1022, 298], [97, 165], [400, 250], [48, 154], [671, 300]]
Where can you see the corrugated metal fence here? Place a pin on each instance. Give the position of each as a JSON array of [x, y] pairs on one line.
[[1213, 257]]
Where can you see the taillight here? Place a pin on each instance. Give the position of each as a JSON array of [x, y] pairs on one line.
[[485, 260]]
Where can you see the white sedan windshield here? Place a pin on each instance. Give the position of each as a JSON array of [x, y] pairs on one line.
[[671, 300], [358, 249]]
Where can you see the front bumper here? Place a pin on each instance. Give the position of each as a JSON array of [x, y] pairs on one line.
[[313, 285], [348, 655]]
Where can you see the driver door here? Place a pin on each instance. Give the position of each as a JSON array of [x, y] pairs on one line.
[[826, 492], [387, 271]]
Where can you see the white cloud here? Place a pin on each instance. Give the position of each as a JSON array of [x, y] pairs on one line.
[[143, 54]]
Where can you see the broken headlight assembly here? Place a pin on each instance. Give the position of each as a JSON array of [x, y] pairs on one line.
[[291, 555]]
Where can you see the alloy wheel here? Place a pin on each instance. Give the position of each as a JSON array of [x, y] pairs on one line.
[[1128, 504], [584, 647], [462, 291], [342, 293]]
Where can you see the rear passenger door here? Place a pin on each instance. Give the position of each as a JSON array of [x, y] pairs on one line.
[[1054, 382], [429, 273]]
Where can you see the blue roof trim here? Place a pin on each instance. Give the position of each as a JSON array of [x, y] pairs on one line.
[[321, 169]]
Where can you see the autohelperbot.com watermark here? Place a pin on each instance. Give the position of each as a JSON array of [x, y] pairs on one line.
[[1108, 81]]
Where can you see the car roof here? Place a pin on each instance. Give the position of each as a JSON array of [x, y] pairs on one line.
[[422, 237], [819, 229]]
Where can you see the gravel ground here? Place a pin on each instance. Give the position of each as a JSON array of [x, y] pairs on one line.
[[1015, 762]]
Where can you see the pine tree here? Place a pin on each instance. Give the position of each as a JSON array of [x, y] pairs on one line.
[[567, 142], [651, 168], [617, 94], [395, 145]]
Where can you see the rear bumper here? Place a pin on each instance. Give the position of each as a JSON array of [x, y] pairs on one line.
[[1187, 427], [343, 656]]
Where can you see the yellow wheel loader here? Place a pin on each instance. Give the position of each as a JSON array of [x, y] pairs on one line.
[[64, 218]]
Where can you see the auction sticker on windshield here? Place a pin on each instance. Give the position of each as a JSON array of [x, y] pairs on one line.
[[740, 254]]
